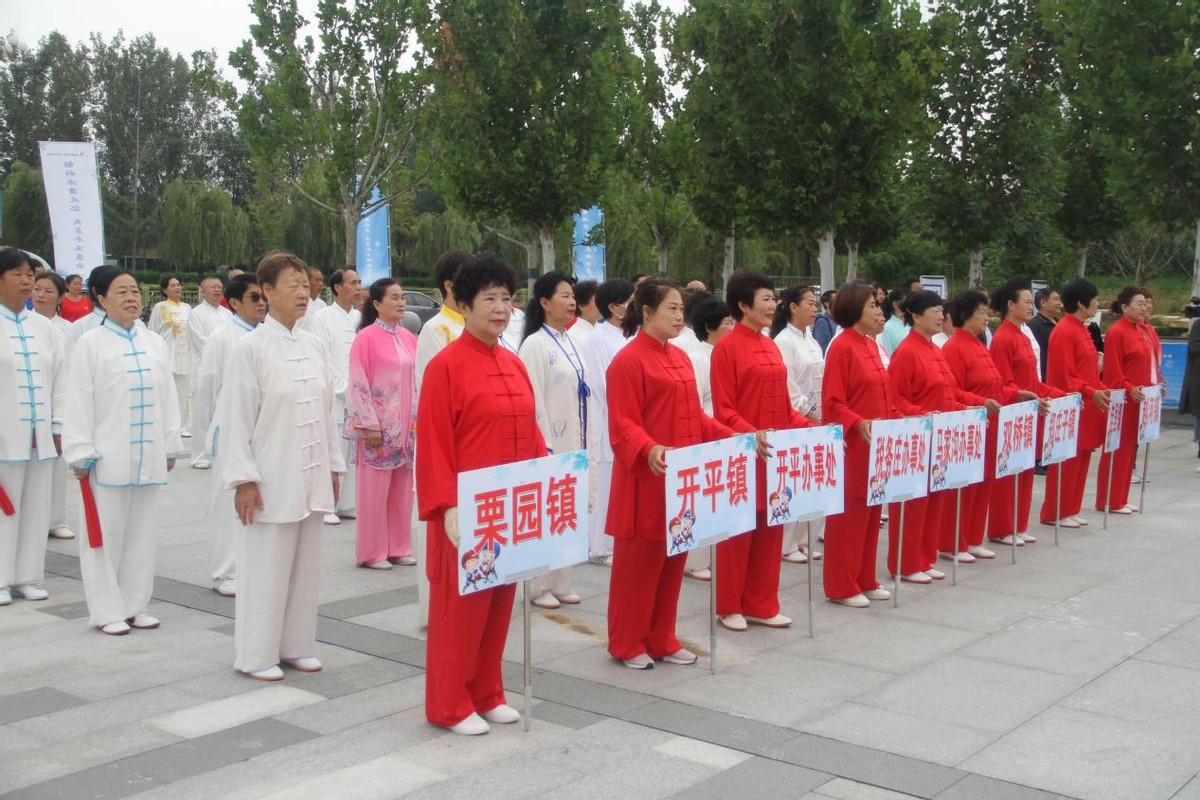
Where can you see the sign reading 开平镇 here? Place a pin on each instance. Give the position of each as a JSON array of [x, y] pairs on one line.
[[711, 492]]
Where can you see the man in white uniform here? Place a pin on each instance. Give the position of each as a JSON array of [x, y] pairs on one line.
[[336, 326], [245, 297], [316, 285], [32, 400], [602, 346], [280, 454], [442, 329], [205, 318]]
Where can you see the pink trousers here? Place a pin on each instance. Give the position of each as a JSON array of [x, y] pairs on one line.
[[384, 499]]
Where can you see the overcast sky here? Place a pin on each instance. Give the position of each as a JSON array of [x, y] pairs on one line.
[[179, 26]]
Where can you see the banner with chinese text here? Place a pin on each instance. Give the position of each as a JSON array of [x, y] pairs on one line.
[[806, 476], [711, 492], [73, 198], [521, 520], [1060, 429], [1150, 415], [899, 465], [957, 448], [374, 250], [1116, 414], [1016, 438]]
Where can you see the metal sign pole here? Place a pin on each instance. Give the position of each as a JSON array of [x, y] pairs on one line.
[[899, 558], [712, 609], [1014, 510], [1145, 480], [811, 553], [1108, 495], [528, 715], [1057, 501], [957, 536]]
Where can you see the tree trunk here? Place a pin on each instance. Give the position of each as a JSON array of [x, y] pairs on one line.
[[1083, 254], [1196, 264], [547, 238], [825, 254], [730, 248], [663, 247], [851, 262], [531, 248], [975, 275], [350, 216]]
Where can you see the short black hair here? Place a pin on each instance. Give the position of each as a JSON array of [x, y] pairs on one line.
[[339, 275], [964, 306], [612, 292], [445, 267], [1077, 294], [1041, 296], [1009, 292], [919, 302], [707, 315], [237, 286], [584, 292], [165, 281], [59, 284], [850, 301], [100, 276], [827, 297], [273, 264], [895, 296], [478, 273], [742, 287], [12, 258]]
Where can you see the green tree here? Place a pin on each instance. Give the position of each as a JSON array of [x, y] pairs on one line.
[[26, 218], [527, 113], [1134, 64], [350, 101], [201, 227], [43, 96]]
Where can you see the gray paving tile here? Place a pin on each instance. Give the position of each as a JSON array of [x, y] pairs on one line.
[[587, 695], [1060, 646], [34, 703], [1163, 697], [980, 787], [1190, 790], [357, 708], [368, 603], [201, 598], [738, 733], [888, 771], [566, 716], [74, 610], [65, 566], [923, 737], [760, 778], [338, 681], [370, 641]]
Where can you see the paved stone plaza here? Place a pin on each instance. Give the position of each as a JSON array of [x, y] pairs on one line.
[[1075, 672]]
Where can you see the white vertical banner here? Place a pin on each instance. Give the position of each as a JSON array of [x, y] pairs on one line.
[[73, 196]]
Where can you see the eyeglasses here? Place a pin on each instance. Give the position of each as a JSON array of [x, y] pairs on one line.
[[254, 297]]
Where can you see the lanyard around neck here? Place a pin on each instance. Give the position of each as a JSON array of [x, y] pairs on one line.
[[582, 390]]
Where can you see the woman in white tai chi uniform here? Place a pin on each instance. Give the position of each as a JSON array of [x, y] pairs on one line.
[[120, 436], [48, 292], [280, 450]]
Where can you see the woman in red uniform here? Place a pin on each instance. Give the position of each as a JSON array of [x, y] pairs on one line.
[[74, 304], [1013, 355], [923, 383], [975, 372], [750, 393], [1130, 363], [476, 410], [1072, 367], [854, 391], [653, 406]]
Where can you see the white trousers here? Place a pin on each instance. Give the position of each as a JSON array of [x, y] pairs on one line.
[[600, 543], [698, 559], [58, 494], [799, 534], [349, 484], [23, 535], [223, 525], [279, 578], [118, 577], [185, 401]]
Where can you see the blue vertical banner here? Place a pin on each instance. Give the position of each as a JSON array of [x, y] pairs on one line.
[[589, 258], [374, 240]]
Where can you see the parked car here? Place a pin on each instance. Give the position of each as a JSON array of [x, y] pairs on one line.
[[422, 305]]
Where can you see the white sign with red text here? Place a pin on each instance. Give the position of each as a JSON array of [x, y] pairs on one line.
[[1060, 429], [806, 474], [1150, 415], [957, 449], [899, 465], [1116, 415], [520, 520], [1016, 438], [711, 492]]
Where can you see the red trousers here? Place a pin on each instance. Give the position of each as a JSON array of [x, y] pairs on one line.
[[923, 518], [1000, 511], [748, 571], [1122, 468], [969, 523], [466, 640], [643, 595], [851, 540], [1074, 472]]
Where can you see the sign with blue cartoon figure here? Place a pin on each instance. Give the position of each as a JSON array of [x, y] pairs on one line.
[[806, 474], [711, 492]]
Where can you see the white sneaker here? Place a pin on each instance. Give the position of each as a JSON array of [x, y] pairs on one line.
[[640, 661], [1027, 537], [1081, 520], [333, 519], [406, 561], [795, 557], [1008, 540], [143, 622], [962, 558], [118, 628], [979, 551], [5, 597], [878, 593], [304, 663], [381, 564], [202, 463], [62, 533], [1124, 510], [936, 574], [734, 622], [184, 433], [269, 674], [1065, 522], [226, 587], [31, 591], [682, 656], [857, 601], [546, 600], [699, 574], [777, 621], [916, 577], [473, 725], [502, 715], [601, 561]]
